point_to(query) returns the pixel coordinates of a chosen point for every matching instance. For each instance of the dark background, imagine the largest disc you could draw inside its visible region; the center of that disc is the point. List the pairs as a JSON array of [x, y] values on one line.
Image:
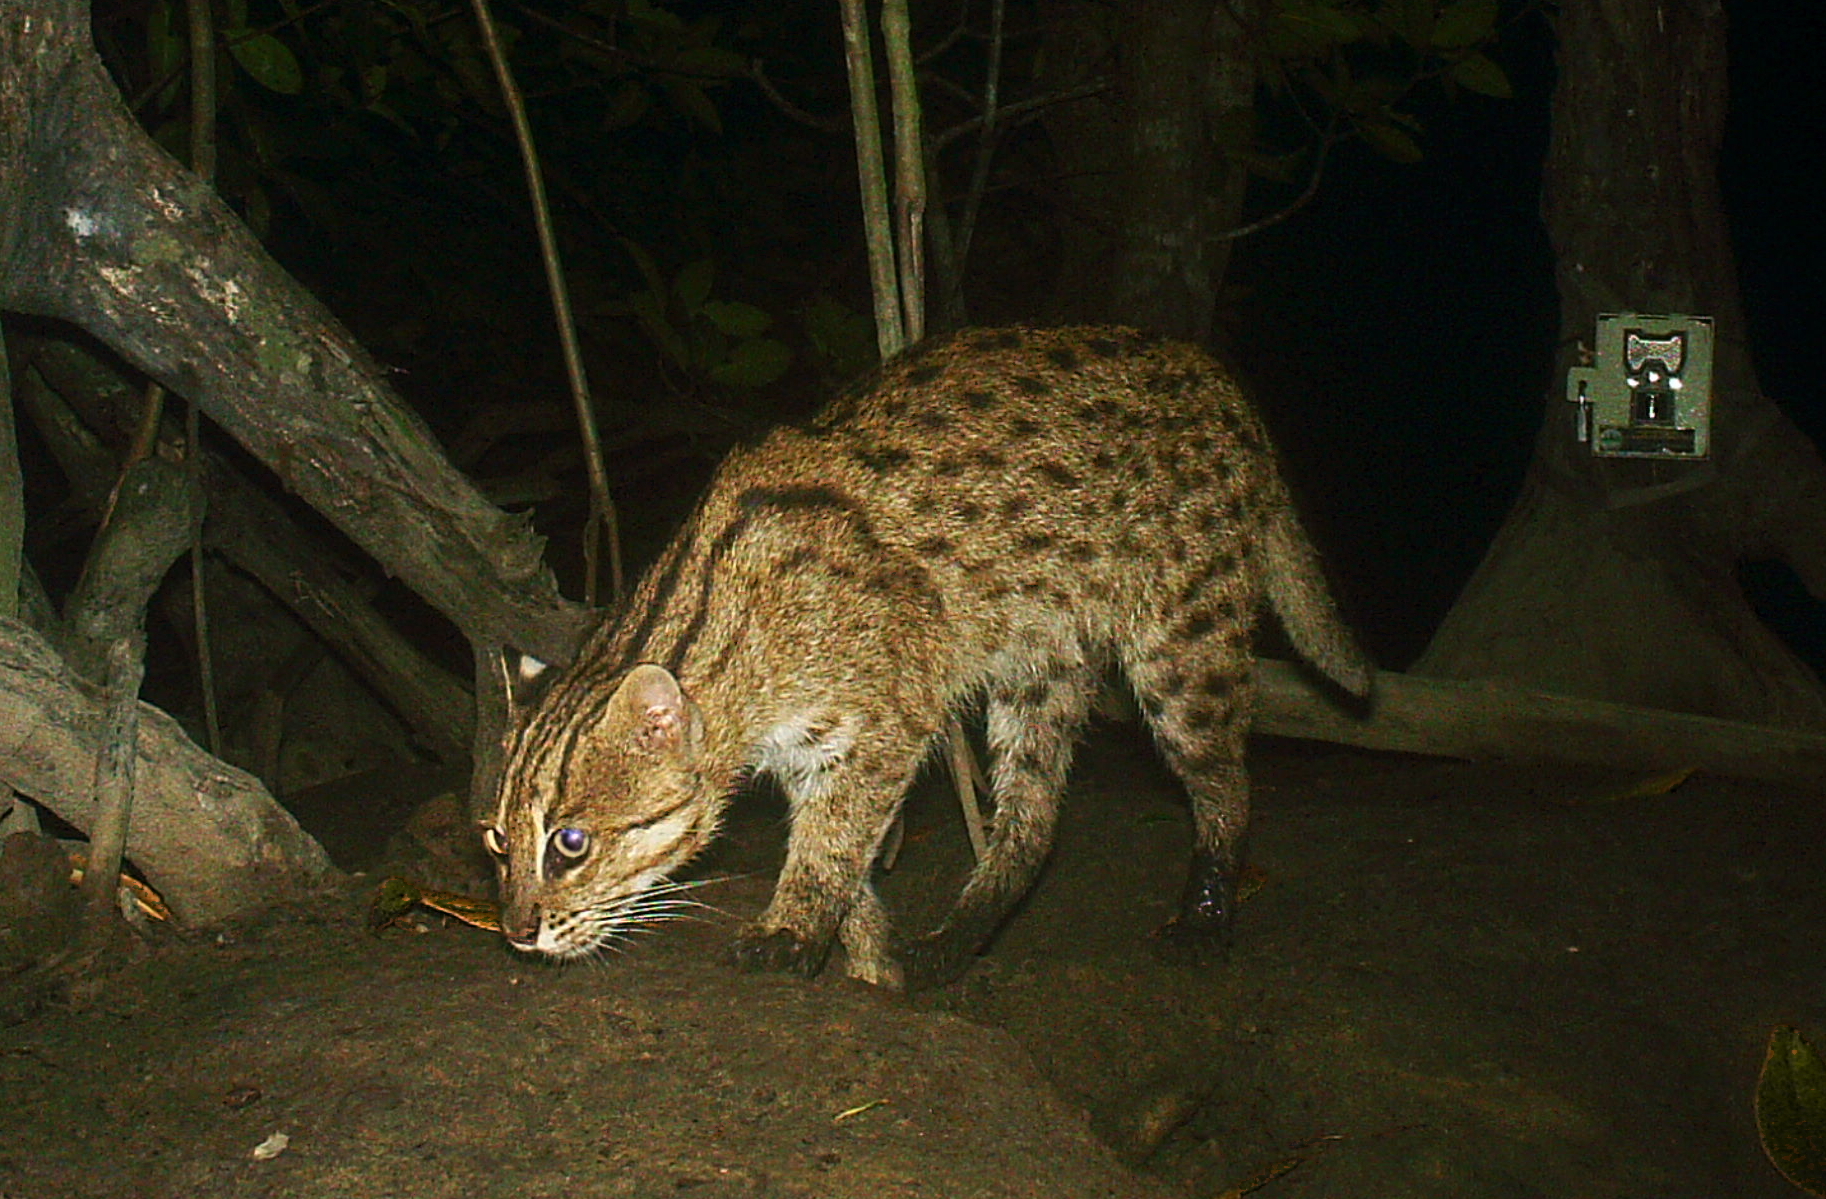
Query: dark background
[[1399, 329]]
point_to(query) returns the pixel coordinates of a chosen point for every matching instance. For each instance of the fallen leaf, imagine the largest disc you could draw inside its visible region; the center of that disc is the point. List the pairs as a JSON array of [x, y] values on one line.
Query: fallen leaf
[[478, 912], [271, 1147], [1648, 788], [1791, 1110], [397, 896], [144, 898]]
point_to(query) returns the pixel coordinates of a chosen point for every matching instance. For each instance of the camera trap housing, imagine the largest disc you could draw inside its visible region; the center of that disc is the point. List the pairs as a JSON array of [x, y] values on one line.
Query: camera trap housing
[[1648, 391]]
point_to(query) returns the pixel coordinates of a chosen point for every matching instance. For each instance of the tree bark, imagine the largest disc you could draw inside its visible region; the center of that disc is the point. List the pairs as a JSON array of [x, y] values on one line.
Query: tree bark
[[256, 535], [98, 226], [1488, 720], [12, 495], [1147, 189], [1614, 579], [158, 508], [205, 834]]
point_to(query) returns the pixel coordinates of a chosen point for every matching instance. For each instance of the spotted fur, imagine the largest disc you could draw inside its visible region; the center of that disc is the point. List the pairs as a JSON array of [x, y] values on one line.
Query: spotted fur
[[997, 516]]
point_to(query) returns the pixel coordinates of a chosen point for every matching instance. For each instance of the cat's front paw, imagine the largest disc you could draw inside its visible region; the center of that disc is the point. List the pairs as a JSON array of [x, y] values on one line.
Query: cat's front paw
[[779, 950]]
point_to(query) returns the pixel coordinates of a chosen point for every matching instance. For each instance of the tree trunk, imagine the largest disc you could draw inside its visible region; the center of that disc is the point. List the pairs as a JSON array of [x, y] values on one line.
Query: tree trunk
[[1485, 720], [1614, 579], [98, 226], [1148, 191]]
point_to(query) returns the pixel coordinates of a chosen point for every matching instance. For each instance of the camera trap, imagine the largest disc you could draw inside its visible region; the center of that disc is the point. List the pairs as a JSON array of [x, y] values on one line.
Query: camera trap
[[1648, 391]]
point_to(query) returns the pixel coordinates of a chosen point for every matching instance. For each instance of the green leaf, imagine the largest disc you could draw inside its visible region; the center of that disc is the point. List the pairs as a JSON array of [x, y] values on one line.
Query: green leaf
[[650, 312], [1477, 73], [1390, 141], [269, 60], [630, 102], [1411, 19], [1464, 23], [736, 318], [690, 100], [712, 61], [642, 12], [1791, 1110], [844, 338], [649, 270], [693, 283], [753, 363], [1301, 27], [374, 79]]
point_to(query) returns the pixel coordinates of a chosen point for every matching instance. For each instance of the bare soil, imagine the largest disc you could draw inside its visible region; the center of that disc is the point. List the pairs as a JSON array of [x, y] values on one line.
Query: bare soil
[[1455, 980]]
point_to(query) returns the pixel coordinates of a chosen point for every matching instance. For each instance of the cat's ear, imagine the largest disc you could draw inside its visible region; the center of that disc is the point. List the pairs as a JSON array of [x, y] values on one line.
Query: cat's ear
[[655, 714]]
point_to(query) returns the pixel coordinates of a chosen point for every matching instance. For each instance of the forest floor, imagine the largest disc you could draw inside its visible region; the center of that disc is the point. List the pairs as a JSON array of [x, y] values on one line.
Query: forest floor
[[1456, 980]]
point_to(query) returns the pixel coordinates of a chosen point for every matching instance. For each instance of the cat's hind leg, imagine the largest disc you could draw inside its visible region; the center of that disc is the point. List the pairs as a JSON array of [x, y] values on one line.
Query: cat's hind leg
[[1032, 720], [1196, 691]]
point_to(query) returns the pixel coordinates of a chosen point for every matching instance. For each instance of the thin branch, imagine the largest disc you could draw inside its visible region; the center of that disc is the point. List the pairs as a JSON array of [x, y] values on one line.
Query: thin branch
[[985, 146], [203, 162], [1022, 110], [890, 328], [603, 517], [1330, 138], [910, 169], [758, 75], [199, 592]]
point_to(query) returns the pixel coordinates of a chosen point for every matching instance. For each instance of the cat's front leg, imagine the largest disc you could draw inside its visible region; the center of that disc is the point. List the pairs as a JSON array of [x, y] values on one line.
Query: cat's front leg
[[838, 823], [775, 944], [795, 933]]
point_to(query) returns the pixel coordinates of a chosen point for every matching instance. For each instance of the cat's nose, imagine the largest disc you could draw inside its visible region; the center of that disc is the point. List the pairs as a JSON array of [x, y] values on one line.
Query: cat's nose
[[522, 929]]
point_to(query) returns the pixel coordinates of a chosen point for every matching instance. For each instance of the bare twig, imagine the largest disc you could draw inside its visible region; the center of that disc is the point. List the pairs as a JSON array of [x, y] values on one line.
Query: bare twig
[[202, 88], [985, 148], [758, 75], [899, 296], [1022, 111], [890, 327], [199, 591], [203, 162], [910, 168], [12, 503], [1326, 142], [603, 518]]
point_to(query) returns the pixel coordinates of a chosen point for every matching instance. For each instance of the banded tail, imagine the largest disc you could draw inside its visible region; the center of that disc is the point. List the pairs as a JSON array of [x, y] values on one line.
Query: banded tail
[[1301, 599]]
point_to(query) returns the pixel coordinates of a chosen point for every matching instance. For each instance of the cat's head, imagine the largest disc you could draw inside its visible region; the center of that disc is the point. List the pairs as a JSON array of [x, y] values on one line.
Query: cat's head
[[600, 800]]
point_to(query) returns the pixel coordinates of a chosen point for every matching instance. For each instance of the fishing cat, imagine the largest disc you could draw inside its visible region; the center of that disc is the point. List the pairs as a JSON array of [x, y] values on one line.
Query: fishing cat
[[999, 515]]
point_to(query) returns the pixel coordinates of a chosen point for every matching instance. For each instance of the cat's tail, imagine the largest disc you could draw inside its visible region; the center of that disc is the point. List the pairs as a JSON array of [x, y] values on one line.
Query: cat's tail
[[1298, 593]]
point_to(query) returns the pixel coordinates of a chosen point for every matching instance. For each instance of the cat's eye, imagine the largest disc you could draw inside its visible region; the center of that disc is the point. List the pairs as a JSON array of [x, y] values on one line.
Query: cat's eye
[[571, 842], [494, 842]]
